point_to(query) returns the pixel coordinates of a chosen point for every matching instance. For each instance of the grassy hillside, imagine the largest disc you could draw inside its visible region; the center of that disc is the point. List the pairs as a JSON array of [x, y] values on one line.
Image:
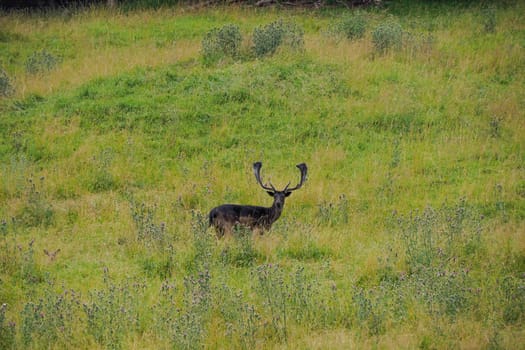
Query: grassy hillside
[[118, 133]]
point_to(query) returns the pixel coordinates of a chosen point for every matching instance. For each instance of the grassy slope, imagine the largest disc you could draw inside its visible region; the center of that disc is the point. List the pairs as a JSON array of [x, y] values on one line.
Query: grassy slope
[[132, 111]]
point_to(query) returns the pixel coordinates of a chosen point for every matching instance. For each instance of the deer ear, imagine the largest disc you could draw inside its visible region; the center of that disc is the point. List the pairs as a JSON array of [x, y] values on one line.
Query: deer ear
[[286, 194], [270, 193]]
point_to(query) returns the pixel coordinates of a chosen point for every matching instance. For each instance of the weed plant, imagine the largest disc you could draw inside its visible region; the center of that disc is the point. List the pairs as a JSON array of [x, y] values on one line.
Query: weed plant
[[6, 84], [351, 27], [190, 327], [185, 326], [41, 62], [243, 322], [9, 257], [369, 313], [50, 320], [7, 329], [148, 231], [101, 177], [387, 36], [273, 290], [334, 213], [268, 38], [222, 42], [37, 210], [513, 290], [241, 252], [489, 20], [112, 312]]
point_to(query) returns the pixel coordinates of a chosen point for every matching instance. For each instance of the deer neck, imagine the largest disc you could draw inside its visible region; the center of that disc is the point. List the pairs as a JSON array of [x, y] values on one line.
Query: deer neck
[[275, 211]]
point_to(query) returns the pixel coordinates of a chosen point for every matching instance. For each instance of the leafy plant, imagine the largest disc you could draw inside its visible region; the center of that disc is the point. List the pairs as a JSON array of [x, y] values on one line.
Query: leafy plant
[[190, 325], [335, 213], [514, 300], [147, 230], [271, 286], [186, 326], [489, 20], [41, 61], [6, 84], [37, 209], [202, 244], [222, 42], [351, 26], [387, 35], [50, 319], [242, 252], [268, 38], [113, 311], [101, 177], [243, 322], [7, 330], [368, 311], [433, 242]]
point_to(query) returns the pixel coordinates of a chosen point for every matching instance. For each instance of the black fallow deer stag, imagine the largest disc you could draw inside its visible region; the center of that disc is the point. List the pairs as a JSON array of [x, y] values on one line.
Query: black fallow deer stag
[[256, 218]]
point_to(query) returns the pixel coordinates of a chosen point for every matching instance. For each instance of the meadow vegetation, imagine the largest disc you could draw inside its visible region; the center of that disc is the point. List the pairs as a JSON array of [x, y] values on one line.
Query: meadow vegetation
[[120, 130]]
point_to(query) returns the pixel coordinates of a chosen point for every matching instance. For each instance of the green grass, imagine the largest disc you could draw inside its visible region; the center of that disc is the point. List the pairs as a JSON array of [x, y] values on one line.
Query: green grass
[[409, 232]]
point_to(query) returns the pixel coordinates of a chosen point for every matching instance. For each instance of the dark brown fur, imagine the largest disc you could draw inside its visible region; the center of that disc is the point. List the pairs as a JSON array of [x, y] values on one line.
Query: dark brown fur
[[224, 217]]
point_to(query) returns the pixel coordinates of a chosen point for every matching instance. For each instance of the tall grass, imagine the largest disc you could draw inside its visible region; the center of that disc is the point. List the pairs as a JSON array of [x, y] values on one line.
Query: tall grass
[[408, 233]]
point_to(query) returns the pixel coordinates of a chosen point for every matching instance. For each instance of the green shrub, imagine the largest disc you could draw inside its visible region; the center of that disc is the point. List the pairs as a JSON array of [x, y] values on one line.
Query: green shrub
[[513, 290], [50, 319], [435, 236], [243, 322], [185, 325], [37, 210], [241, 252], [113, 311], [352, 26], [440, 245], [273, 289], [387, 35], [369, 310], [334, 213], [266, 39], [222, 42], [148, 231], [7, 330], [41, 62], [6, 85], [101, 178], [489, 20]]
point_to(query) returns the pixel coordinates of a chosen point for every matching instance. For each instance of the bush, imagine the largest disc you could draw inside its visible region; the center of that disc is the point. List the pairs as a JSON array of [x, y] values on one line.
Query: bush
[[489, 20], [388, 35], [37, 210], [41, 62], [266, 39], [221, 42], [6, 86], [101, 179], [50, 319], [148, 231], [7, 330], [112, 312], [242, 252], [352, 27]]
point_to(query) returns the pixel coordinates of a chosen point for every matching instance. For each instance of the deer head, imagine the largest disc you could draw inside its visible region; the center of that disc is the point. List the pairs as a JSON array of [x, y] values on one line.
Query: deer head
[[279, 196]]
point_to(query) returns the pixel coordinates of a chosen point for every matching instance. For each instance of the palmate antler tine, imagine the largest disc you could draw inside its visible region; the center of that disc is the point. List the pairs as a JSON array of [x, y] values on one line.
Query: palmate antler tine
[[257, 171], [304, 170]]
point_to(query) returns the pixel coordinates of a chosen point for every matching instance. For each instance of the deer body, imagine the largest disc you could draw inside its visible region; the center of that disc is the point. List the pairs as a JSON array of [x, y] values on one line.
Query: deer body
[[226, 216]]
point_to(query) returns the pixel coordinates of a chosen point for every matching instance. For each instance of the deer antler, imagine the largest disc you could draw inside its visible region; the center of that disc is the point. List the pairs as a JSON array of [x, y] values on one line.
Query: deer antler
[[257, 171], [304, 171]]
